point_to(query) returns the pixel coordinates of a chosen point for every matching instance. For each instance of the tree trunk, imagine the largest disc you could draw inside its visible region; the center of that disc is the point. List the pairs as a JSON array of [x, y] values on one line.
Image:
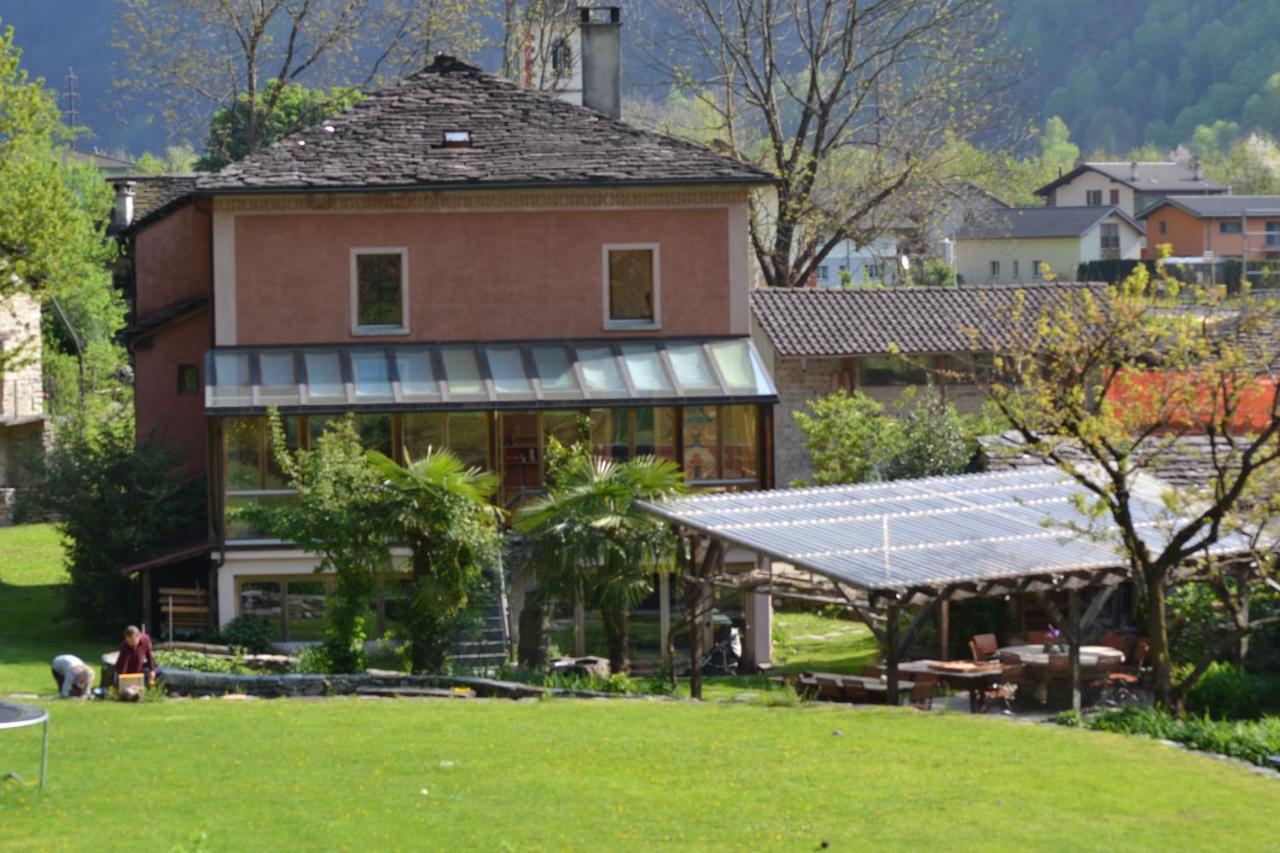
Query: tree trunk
[[532, 649], [617, 623], [1157, 622]]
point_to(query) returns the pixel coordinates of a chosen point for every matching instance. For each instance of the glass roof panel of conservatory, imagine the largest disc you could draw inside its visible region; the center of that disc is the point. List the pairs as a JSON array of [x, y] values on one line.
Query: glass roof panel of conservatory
[[529, 375]]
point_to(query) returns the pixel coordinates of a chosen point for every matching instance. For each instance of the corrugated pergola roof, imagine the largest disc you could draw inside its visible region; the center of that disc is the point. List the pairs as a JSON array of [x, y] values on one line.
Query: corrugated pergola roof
[[927, 534]]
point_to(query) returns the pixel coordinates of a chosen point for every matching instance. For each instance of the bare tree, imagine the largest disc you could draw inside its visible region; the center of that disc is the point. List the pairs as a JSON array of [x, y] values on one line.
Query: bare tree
[[537, 43], [206, 55], [851, 103]]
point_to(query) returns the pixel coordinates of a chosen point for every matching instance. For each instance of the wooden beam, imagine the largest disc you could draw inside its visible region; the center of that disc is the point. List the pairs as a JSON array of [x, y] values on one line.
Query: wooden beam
[[1073, 611], [1095, 607], [904, 644], [891, 662], [944, 629], [664, 618]]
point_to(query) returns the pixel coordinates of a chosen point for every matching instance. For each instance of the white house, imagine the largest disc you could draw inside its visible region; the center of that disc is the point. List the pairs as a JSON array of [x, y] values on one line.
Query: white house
[[1018, 244], [875, 263], [1131, 186]]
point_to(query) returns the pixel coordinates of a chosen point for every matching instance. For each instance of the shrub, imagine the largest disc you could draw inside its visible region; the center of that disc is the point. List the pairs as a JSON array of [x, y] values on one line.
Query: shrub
[[1254, 742], [312, 660], [1225, 692], [251, 633], [199, 662]]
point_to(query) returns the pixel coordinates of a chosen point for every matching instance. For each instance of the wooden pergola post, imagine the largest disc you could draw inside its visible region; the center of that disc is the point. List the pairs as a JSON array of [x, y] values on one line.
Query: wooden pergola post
[[944, 629], [664, 617], [1073, 638], [891, 657]]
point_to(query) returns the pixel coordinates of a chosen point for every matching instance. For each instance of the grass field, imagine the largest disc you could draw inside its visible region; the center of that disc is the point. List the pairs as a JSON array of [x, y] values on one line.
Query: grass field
[[403, 774]]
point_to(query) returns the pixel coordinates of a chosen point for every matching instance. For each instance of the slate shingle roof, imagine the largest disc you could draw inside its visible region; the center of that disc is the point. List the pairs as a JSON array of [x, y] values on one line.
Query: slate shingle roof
[[393, 140], [1021, 223], [1209, 207], [1151, 177], [916, 320], [155, 195]]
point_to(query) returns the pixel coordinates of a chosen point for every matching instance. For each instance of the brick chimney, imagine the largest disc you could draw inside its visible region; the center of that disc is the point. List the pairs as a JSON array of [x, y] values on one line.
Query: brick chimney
[[601, 29]]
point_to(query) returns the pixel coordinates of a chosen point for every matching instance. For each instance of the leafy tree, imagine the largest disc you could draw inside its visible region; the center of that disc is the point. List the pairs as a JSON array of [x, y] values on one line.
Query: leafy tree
[[177, 160], [204, 57], [441, 509], [587, 535], [851, 108], [1105, 388], [850, 436], [931, 438], [343, 514], [51, 218], [118, 501], [295, 108]]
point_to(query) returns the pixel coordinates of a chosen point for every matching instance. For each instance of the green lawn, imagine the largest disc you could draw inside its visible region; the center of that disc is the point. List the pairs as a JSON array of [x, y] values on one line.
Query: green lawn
[[33, 628], [371, 774]]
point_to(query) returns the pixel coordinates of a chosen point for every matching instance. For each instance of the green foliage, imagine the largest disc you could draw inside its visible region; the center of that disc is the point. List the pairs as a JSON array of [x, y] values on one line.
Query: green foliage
[[296, 108], [176, 160], [251, 633], [440, 508], [312, 660], [936, 273], [1225, 692], [199, 662], [587, 537], [1249, 741], [854, 439], [118, 501], [342, 515], [1193, 622]]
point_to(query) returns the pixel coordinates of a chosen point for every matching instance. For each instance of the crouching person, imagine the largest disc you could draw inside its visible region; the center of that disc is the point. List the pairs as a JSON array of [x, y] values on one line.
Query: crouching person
[[74, 677]]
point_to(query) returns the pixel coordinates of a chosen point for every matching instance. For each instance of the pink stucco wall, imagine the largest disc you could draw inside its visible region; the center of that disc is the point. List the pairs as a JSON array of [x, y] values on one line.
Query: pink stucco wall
[[476, 275], [172, 259], [178, 419]]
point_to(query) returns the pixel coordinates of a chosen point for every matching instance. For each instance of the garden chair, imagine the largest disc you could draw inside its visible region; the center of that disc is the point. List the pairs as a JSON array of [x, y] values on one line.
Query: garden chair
[[855, 692], [1116, 640], [1101, 684], [1004, 691], [1058, 678], [983, 646], [1132, 675], [872, 671], [1010, 659], [922, 690], [1037, 638]]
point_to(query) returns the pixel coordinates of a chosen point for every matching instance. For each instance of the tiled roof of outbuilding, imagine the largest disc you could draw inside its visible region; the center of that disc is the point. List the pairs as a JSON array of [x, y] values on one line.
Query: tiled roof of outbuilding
[[393, 139], [914, 320]]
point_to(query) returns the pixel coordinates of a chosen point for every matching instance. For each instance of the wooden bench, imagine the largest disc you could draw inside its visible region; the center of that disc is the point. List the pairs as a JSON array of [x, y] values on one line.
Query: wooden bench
[[184, 607]]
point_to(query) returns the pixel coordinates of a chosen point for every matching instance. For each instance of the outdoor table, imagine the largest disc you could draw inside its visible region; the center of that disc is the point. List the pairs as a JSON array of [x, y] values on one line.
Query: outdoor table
[[17, 716], [1037, 656], [976, 682], [878, 686]]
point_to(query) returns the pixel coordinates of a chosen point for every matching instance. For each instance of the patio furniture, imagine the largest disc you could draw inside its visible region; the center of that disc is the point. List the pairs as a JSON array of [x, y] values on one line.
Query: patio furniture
[[872, 671], [983, 646], [922, 689], [1130, 678], [1005, 690], [1116, 640], [1038, 638], [1036, 656], [16, 716], [961, 675], [1009, 659]]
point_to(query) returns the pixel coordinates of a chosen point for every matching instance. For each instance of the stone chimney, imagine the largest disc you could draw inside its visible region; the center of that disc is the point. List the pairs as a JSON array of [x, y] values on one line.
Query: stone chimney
[[124, 204], [1133, 170], [601, 28]]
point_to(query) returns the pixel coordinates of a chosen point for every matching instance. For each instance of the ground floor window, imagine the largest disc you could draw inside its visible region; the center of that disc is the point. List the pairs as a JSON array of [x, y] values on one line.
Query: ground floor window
[[295, 605], [718, 446]]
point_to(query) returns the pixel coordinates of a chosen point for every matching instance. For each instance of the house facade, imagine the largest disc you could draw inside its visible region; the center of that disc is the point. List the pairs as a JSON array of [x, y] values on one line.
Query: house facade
[[459, 263], [882, 342], [1229, 227], [22, 418], [1024, 244], [1132, 186]]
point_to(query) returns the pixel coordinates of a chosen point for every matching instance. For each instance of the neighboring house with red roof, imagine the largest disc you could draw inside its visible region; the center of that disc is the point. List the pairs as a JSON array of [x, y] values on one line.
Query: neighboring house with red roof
[[460, 263]]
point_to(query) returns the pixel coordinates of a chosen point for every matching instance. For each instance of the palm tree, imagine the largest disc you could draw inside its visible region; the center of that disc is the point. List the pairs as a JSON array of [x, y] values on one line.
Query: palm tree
[[441, 510], [589, 537]]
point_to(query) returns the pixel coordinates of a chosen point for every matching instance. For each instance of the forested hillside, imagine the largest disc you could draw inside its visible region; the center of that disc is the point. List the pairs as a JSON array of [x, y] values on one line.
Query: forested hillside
[[1121, 73], [1126, 73]]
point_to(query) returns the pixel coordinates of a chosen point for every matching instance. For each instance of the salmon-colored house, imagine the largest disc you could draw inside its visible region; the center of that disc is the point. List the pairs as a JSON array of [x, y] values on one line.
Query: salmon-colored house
[[461, 263], [1239, 227]]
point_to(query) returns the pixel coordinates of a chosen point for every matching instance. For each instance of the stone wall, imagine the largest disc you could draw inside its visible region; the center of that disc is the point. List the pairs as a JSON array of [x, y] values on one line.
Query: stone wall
[[21, 385]]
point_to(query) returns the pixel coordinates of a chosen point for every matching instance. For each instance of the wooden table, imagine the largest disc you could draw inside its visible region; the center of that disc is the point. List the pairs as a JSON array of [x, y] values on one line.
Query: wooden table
[[1037, 656], [976, 681]]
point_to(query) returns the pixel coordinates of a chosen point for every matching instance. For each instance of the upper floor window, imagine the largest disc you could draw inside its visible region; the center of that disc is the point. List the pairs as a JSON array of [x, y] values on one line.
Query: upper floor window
[[379, 291], [1036, 270], [1015, 271], [1229, 227], [1164, 226], [1115, 197], [1093, 197], [631, 287]]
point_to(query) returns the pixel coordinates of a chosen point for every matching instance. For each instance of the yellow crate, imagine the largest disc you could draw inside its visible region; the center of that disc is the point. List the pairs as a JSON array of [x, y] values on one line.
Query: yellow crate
[[132, 679]]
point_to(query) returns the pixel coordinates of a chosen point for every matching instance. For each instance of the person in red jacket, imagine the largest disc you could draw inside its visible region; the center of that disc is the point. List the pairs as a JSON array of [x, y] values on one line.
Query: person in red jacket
[[135, 655]]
